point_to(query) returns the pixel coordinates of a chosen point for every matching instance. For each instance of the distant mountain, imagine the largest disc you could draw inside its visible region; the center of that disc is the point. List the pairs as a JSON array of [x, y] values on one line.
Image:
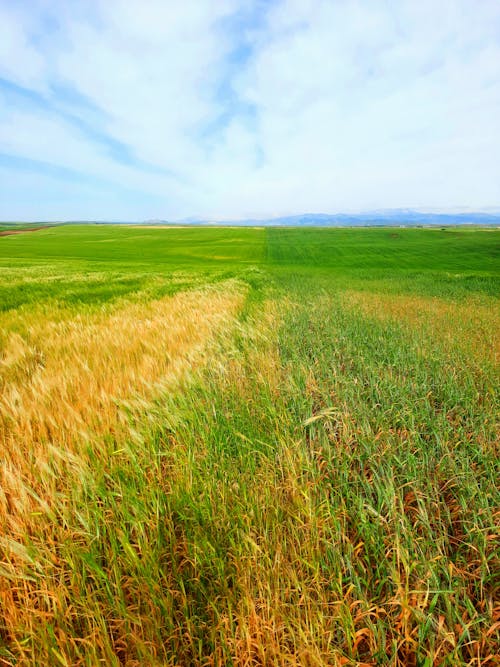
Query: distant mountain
[[380, 218], [389, 217]]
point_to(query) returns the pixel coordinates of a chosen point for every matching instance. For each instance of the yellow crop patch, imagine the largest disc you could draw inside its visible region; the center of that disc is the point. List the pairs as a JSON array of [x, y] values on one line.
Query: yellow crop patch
[[470, 326], [62, 382]]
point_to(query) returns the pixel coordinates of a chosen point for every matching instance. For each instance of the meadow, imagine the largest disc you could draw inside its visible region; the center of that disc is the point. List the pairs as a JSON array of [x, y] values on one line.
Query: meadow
[[230, 446]]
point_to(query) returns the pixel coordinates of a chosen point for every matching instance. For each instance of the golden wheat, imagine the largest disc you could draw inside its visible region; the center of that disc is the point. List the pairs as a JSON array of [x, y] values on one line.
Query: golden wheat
[[64, 382]]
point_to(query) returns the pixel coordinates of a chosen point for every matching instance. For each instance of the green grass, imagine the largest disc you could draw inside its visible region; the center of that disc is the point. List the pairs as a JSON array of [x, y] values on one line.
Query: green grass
[[150, 247], [321, 490]]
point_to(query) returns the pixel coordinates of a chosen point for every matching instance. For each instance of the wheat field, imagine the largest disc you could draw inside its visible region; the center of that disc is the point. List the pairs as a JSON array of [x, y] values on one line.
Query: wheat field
[[249, 447]]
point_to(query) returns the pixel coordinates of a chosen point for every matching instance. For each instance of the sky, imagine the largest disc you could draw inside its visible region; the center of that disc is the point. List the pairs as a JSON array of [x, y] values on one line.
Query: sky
[[221, 109]]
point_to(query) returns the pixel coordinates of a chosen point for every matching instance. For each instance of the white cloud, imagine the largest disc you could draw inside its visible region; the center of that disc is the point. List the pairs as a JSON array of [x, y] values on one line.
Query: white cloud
[[19, 60], [336, 105]]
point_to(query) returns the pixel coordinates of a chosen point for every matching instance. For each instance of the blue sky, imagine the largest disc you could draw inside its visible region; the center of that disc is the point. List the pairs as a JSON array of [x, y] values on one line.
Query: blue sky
[[128, 110]]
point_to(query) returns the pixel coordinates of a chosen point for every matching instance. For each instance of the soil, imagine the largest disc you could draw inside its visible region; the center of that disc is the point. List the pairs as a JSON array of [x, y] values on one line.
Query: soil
[[8, 232]]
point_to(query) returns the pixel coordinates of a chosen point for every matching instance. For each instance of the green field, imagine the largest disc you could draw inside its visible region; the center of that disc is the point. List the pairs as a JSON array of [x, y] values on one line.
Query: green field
[[230, 446]]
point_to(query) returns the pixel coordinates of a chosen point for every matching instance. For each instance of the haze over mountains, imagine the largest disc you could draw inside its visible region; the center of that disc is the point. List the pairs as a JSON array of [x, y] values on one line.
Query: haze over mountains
[[386, 217], [379, 218]]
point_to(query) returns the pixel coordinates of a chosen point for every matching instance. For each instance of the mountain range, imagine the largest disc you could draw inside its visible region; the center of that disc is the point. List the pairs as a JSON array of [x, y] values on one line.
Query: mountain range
[[389, 217]]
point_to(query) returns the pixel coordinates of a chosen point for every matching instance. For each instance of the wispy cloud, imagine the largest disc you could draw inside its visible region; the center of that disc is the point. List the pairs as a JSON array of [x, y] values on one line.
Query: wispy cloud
[[120, 109]]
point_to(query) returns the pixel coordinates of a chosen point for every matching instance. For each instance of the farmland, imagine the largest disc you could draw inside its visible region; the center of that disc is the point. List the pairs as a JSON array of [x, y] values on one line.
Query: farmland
[[233, 446]]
